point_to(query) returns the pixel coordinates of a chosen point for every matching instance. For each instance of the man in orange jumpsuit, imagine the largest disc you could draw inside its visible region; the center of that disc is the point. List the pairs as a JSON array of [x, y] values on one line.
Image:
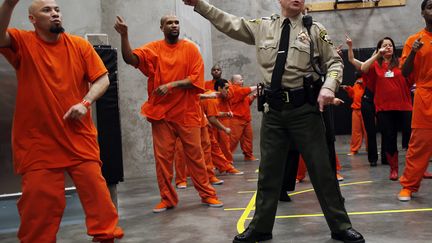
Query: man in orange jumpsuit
[[416, 65], [216, 72], [180, 164], [211, 111], [175, 72], [53, 132], [228, 95], [241, 122], [358, 131]]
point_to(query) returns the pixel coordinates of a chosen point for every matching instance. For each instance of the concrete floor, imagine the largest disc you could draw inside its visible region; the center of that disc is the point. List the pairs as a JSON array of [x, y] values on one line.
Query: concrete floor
[[370, 199]]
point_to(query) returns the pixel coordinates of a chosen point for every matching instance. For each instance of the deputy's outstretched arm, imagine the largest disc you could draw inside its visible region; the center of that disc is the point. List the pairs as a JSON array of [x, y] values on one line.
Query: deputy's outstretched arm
[[6, 10], [235, 27]]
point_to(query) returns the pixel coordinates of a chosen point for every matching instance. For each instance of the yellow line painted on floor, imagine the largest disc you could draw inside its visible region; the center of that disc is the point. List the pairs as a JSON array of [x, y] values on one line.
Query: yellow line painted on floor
[[245, 214], [244, 192], [251, 207], [234, 209], [357, 213]]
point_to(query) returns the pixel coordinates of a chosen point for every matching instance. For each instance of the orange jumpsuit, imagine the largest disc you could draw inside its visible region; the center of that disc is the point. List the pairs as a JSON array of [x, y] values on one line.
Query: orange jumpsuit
[[241, 123], [221, 137], [209, 84], [175, 114], [52, 77], [210, 109], [420, 145], [180, 164], [358, 131]]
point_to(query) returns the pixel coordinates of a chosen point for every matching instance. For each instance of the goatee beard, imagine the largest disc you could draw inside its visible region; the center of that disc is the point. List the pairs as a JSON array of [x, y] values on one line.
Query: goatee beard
[[57, 29]]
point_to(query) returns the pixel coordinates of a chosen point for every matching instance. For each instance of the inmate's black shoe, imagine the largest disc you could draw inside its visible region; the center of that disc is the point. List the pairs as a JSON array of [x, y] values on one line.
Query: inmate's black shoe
[[284, 197], [251, 236], [348, 236]]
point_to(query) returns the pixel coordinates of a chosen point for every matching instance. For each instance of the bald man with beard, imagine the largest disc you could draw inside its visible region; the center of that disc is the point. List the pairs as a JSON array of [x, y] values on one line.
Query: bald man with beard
[[59, 77], [175, 72]]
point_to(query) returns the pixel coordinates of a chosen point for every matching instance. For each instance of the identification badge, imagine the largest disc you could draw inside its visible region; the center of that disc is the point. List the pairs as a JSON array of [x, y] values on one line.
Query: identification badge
[[389, 74]]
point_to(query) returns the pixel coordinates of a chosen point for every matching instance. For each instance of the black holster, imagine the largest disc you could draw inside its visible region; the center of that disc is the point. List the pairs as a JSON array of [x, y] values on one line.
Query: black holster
[[261, 99], [312, 88]]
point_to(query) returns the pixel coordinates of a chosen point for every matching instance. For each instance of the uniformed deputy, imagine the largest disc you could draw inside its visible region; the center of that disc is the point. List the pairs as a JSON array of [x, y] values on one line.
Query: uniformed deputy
[[295, 123]]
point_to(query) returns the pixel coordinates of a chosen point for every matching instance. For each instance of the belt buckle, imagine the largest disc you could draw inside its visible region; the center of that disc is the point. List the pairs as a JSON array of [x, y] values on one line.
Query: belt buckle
[[286, 96]]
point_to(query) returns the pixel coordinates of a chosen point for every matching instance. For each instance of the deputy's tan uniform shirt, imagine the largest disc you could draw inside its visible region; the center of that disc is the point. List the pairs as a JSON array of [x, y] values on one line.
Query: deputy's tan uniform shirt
[[265, 33]]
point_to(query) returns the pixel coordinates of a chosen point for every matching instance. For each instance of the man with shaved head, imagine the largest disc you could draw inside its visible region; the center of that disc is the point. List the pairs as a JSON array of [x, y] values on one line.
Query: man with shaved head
[[59, 77], [175, 72], [241, 122], [216, 73]]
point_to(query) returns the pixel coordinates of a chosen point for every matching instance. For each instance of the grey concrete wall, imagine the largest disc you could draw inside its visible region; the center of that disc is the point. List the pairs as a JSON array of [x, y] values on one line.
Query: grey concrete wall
[[365, 27]]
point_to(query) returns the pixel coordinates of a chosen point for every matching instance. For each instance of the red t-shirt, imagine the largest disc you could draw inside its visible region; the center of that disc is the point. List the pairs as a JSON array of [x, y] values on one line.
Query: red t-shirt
[[52, 77], [390, 88]]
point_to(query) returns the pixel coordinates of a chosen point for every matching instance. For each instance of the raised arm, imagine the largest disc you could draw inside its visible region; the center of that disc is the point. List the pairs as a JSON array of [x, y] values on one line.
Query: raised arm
[[356, 63], [97, 89], [408, 65], [368, 63], [127, 54], [6, 10]]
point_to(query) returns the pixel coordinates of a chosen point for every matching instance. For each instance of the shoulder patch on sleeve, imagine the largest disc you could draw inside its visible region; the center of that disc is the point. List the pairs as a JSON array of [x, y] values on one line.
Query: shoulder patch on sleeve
[[324, 36]]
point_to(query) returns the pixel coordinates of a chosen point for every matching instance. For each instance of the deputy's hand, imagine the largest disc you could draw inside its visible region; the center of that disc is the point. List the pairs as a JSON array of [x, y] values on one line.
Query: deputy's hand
[[417, 45], [75, 112], [337, 101], [120, 26], [325, 97], [11, 3], [190, 2]]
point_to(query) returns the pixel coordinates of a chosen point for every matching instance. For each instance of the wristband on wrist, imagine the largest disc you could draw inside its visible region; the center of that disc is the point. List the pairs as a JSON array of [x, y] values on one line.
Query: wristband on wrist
[[86, 103]]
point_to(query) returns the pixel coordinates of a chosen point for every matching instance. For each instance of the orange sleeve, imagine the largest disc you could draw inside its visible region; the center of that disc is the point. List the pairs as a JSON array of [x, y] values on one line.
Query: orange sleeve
[[212, 108], [239, 93], [147, 58], [196, 72], [12, 53], [406, 50], [350, 91], [93, 65]]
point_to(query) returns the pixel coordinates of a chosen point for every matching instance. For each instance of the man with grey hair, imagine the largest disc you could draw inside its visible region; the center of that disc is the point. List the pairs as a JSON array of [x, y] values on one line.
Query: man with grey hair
[[291, 116]]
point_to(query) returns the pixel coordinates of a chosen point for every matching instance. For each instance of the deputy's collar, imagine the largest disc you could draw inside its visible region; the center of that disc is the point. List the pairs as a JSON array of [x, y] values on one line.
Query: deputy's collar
[[294, 20]]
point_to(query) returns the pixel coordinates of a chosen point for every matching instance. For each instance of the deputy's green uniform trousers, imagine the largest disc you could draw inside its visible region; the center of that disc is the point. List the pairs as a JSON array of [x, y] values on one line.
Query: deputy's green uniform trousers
[[303, 129]]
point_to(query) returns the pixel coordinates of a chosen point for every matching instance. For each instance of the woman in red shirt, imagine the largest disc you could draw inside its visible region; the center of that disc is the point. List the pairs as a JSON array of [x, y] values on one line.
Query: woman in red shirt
[[392, 98]]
